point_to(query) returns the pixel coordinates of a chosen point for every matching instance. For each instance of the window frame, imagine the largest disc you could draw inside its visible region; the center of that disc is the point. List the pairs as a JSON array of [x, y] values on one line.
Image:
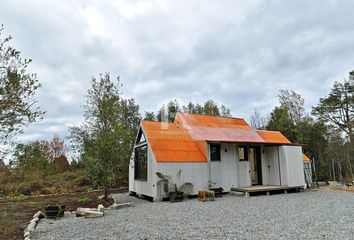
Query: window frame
[[245, 153], [137, 164], [140, 135], [218, 152]]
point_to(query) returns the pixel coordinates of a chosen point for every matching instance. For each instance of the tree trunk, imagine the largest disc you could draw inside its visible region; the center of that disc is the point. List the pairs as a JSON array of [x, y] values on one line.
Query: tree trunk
[[350, 169], [333, 170], [350, 132], [340, 171]]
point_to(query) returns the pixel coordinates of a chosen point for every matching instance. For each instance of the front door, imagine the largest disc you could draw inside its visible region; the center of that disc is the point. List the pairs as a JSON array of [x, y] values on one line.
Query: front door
[[254, 158]]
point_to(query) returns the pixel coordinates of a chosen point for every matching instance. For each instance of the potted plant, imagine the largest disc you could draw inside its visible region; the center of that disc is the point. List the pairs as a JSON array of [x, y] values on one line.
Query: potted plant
[[217, 190], [175, 193]]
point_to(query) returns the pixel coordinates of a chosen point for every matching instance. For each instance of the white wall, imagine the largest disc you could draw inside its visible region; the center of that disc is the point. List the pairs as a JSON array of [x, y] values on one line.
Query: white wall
[[228, 173], [196, 173], [223, 172], [216, 173], [192, 172], [271, 166], [291, 166], [243, 171], [148, 187], [228, 166], [294, 170]]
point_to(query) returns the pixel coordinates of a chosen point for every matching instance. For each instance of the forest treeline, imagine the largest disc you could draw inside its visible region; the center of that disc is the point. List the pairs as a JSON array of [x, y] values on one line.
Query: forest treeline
[[326, 132], [102, 144]]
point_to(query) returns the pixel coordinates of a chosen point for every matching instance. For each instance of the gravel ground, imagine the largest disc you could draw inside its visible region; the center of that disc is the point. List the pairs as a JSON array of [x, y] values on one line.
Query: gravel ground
[[323, 214]]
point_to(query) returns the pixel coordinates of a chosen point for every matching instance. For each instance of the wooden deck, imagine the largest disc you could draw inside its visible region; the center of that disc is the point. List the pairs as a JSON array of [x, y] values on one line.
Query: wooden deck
[[265, 189]]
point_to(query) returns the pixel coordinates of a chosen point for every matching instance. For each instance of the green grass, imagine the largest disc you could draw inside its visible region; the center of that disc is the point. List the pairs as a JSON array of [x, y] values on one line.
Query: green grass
[[7, 225], [7, 222], [84, 200], [19, 197], [32, 203]]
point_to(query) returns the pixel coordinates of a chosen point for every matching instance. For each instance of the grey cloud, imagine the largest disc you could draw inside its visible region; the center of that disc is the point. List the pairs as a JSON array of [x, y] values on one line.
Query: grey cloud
[[238, 53]]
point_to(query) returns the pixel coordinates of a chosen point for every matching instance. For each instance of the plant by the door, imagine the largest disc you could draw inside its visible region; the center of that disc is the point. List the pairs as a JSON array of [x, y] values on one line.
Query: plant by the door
[[214, 187], [176, 193]]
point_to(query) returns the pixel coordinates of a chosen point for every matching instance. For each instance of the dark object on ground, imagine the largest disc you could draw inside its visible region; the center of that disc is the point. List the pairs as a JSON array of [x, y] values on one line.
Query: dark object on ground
[[346, 184], [217, 191], [176, 196], [54, 212]]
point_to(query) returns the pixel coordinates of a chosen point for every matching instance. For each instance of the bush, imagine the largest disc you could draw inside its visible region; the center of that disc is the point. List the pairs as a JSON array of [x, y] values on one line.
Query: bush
[[48, 190], [8, 189], [82, 181], [20, 181], [28, 187], [69, 176]]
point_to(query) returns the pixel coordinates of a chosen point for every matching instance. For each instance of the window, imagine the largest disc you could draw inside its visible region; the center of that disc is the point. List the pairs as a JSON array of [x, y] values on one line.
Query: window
[[215, 152], [140, 163], [242, 153], [141, 137]]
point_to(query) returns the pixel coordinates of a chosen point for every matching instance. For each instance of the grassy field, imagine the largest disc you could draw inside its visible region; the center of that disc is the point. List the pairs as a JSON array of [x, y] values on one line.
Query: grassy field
[[16, 212]]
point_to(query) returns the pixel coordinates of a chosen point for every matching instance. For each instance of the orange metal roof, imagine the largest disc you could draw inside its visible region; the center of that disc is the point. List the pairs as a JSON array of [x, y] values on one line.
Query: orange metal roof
[[173, 144], [185, 140], [273, 137], [213, 128], [305, 158], [212, 121]]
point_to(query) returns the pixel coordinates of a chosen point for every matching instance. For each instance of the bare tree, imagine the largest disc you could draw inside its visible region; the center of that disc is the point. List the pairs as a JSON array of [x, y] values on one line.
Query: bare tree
[[258, 121]]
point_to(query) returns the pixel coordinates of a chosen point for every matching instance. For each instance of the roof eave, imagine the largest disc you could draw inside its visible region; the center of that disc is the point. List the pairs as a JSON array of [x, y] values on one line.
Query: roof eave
[[256, 142]]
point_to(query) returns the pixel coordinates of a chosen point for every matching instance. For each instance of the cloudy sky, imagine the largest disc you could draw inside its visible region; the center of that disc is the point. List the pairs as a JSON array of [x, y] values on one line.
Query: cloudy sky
[[239, 53]]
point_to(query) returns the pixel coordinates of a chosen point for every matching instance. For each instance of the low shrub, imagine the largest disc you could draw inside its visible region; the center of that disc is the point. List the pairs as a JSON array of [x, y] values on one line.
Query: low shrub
[[7, 223], [19, 197], [84, 200], [28, 187], [8, 189], [69, 176], [47, 190], [82, 181]]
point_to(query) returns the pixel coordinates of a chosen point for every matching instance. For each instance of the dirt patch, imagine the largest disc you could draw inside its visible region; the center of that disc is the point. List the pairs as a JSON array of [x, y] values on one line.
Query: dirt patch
[[343, 188], [15, 214]]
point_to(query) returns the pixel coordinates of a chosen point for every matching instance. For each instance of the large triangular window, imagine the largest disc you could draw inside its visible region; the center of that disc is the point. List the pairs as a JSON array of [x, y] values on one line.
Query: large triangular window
[[141, 138]]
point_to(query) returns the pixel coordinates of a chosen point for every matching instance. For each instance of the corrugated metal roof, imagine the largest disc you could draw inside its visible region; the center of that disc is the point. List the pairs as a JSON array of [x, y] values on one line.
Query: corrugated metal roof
[[273, 137], [173, 144], [185, 140], [213, 128]]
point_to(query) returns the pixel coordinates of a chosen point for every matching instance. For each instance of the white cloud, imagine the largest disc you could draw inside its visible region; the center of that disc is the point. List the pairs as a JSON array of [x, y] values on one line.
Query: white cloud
[[239, 53]]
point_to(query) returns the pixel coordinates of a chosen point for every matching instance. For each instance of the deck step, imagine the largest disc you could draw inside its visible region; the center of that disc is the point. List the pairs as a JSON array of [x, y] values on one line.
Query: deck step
[[264, 189]]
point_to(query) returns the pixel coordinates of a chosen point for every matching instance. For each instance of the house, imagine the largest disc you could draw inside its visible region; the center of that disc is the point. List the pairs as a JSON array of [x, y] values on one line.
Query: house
[[210, 149]]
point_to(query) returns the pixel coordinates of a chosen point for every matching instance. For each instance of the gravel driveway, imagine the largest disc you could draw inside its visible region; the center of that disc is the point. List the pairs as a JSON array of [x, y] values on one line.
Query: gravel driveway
[[323, 214]]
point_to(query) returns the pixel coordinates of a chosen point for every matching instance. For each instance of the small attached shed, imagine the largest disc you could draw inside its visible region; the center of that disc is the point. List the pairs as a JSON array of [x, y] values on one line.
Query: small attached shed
[[224, 152], [307, 171]]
